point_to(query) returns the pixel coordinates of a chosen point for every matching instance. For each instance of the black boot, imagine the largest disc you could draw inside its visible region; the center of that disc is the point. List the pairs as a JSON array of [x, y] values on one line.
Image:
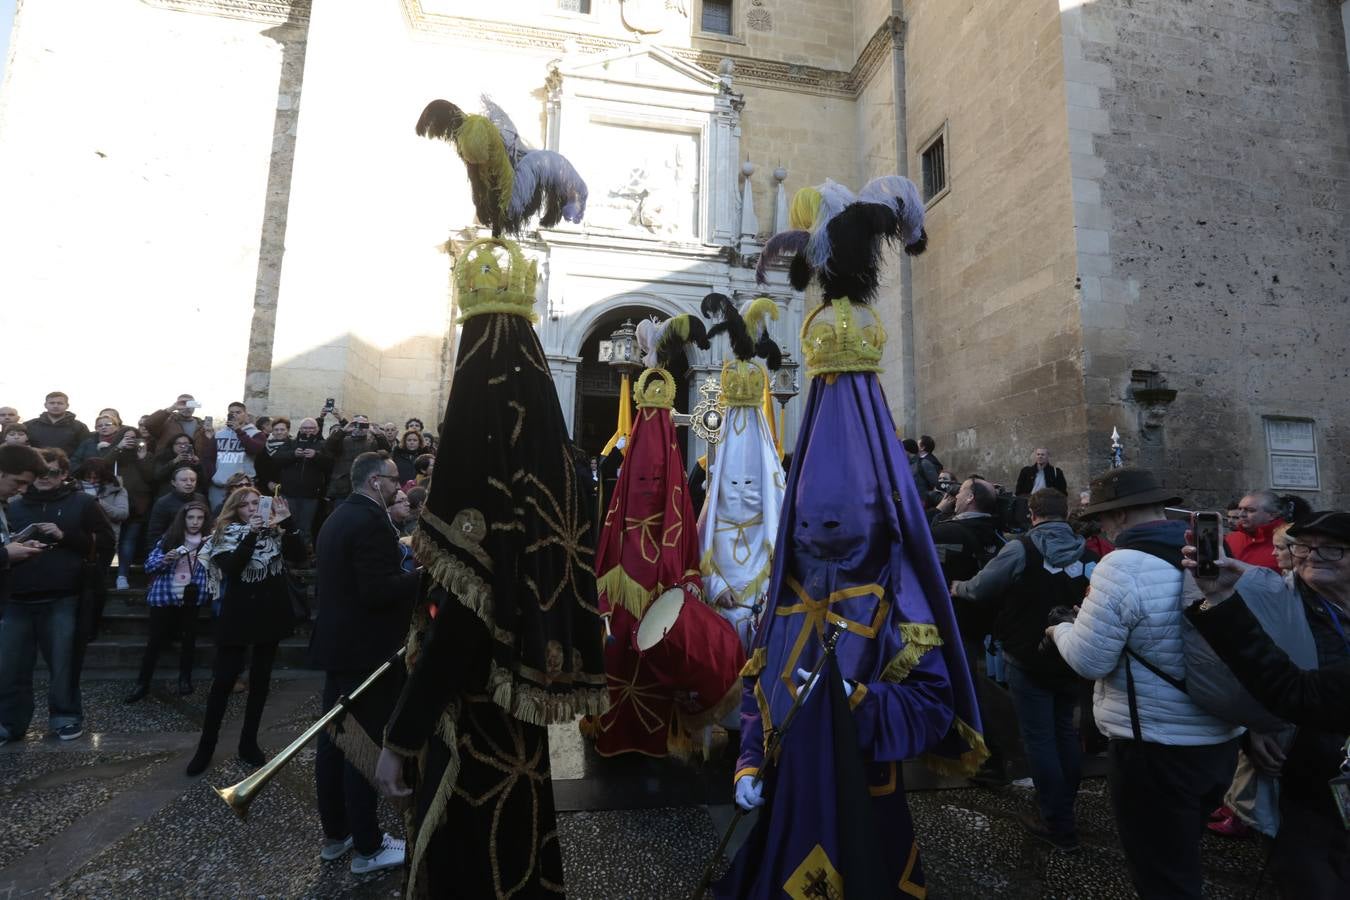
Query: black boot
[[249, 751], [215, 712], [202, 758], [138, 693]]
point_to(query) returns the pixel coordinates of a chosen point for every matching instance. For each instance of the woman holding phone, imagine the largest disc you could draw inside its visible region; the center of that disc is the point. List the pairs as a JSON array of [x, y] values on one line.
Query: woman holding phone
[[179, 587], [246, 574]]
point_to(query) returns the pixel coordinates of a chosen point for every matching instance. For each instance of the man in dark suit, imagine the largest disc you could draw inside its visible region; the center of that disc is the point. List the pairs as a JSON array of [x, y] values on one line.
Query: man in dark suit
[[365, 605], [1040, 475]]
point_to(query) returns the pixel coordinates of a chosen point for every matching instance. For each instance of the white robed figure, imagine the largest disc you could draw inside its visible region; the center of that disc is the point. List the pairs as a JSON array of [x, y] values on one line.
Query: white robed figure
[[739, 521]]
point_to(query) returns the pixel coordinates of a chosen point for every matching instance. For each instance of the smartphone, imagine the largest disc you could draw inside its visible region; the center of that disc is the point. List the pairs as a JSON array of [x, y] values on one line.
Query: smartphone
[[1177, 514], [1208, 530], [265, 509], [29, 533], [329, 405], [192, 404]]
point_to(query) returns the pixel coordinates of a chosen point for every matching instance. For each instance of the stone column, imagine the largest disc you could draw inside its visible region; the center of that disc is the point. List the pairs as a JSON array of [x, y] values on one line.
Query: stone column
[[724, 150], [564, 370]]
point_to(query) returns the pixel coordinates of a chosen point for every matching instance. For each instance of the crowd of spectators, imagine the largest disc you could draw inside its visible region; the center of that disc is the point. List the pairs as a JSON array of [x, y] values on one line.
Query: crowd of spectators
[[216, 512]]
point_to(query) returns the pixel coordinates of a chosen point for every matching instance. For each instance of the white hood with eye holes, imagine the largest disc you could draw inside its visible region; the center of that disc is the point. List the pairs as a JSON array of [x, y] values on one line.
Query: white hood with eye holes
[[739, 521]]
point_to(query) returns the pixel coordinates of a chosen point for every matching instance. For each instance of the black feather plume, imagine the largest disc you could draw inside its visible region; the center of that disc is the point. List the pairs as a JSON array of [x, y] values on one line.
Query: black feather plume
[[857, 237], [440, 120], [679, 331], [917, 248], [800, 272], [720, 306], [768, 350], [781, 244]]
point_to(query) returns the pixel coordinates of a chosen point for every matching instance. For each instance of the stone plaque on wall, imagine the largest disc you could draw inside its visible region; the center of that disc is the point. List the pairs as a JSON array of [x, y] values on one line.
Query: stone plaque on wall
[[1292, 446], [643, 181]]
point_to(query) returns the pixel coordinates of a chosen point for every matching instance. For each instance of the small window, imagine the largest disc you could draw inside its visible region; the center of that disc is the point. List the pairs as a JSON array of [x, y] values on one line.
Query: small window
[[1292, 447], [717, 16], [576, 6], [935, 167]]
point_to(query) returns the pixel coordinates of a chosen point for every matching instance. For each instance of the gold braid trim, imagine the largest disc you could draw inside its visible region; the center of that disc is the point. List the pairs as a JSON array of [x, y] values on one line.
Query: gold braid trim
[[919, 639], [621, 590], [967, 763], [439, 809], [356, 744], [755, 664], [522, 701]]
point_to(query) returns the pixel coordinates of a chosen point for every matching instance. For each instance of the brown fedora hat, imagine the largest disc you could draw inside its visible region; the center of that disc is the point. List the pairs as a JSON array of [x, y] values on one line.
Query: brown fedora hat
[[1122, 488]]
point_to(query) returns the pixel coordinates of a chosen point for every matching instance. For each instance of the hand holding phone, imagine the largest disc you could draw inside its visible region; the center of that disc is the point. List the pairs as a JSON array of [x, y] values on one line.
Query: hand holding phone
[[29, 533], [265, 510], [1207, 528]]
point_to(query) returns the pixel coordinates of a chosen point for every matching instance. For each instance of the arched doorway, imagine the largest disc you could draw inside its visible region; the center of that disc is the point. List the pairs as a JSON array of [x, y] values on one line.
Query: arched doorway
[[597, 393]]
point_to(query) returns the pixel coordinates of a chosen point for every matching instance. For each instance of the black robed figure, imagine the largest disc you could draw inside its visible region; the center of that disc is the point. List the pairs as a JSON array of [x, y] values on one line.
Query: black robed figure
[[509, 640]]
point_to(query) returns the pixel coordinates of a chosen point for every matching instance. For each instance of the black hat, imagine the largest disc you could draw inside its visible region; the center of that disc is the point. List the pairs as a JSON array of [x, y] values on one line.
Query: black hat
[[1330, 522], [1123, 488]]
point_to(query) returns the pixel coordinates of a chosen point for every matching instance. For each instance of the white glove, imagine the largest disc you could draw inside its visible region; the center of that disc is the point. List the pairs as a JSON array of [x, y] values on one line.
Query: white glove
[[808, 684], [621, 442], [749, 792]]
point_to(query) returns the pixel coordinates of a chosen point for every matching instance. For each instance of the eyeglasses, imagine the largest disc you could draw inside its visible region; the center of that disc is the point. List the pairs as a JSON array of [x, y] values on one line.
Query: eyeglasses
[[1325, 552]]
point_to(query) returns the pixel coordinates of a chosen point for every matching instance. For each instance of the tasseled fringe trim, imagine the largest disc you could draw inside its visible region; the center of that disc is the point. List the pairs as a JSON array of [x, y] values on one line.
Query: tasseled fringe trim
[[357, 746], [420, 838], [967, 763], [524, 702], [692, 722], [536, 706], [755, 664], [589, 727], [919, 639], [620, 589], [747, 594]]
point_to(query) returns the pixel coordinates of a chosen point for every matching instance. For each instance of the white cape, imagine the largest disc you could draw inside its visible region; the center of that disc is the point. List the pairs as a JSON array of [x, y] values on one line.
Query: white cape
[[739, 521]]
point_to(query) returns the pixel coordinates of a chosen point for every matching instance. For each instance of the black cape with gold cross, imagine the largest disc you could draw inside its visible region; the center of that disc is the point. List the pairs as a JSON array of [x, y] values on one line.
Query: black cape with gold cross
[[514, 641]]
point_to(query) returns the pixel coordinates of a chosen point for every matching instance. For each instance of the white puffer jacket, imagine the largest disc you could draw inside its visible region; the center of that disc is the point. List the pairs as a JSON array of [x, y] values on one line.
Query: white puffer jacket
[[1137, 597]]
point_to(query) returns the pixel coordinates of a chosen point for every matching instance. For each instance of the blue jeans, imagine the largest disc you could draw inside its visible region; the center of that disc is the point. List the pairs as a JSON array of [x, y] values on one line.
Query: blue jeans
[[1045, 719], [49, 626], [127, 543]]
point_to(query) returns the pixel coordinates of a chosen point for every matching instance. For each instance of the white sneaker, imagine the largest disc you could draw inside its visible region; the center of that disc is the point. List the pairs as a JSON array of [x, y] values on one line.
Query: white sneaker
[[122, 583], [332, 850], [1025, 784], [391, 854]]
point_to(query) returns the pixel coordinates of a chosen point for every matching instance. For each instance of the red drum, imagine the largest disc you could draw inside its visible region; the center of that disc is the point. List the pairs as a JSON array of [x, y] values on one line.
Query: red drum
[[691, 649]]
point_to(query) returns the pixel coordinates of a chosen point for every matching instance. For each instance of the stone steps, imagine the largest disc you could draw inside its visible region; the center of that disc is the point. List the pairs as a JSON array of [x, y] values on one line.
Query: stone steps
[[125, 628]]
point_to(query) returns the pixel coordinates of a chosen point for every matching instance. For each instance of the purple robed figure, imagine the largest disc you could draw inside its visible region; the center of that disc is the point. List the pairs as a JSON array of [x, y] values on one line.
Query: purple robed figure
[[855, 553]]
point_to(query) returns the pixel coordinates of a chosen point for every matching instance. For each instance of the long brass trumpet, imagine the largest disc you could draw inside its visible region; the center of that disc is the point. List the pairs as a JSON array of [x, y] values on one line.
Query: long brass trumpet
[[239, 796]]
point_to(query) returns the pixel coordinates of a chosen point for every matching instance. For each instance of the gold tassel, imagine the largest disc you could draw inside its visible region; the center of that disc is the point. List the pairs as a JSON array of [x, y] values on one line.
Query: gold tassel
[[622, 590], [439, 808], [919, 639]]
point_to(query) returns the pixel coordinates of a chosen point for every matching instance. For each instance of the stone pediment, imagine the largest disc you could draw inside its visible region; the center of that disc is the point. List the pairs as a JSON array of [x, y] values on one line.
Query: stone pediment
[[642, 66]]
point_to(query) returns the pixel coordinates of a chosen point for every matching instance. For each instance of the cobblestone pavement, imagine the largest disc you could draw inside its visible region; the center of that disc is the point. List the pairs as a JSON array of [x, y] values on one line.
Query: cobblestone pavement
[[113, 815]]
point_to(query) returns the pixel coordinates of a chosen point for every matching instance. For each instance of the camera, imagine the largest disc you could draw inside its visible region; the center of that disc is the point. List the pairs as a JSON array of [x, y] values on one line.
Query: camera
[[1057, 616]]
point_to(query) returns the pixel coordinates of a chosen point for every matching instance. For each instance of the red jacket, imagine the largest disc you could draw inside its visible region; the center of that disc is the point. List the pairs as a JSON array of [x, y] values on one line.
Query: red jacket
[[1255, 549]]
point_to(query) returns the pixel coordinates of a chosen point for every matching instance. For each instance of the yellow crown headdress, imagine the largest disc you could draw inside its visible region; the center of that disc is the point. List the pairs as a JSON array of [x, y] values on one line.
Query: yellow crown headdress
[[655, 390], [842, 336], [743, 383], [493, 276]]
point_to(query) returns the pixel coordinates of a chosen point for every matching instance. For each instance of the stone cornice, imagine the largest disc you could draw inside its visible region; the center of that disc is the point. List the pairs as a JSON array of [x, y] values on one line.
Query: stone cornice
[[271, 12], [764, 73]]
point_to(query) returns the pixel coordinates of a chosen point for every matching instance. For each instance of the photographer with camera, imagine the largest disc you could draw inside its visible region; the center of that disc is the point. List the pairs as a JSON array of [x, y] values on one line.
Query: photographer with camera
[[166, 424], [237, 443], [44, 601], [1048, 567], [344, 446], [304, 464]]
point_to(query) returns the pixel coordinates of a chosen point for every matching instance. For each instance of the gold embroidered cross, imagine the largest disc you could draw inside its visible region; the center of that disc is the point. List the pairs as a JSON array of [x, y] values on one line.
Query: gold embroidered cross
[[648, 537], [741, 538], [818, 612]]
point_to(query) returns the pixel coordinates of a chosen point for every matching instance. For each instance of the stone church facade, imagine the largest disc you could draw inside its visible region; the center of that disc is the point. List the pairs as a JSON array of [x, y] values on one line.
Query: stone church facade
[[1138, 209]]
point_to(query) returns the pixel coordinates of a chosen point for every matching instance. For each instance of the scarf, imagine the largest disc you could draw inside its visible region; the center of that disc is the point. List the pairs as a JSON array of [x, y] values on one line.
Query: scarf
[[508, 536], [650, 538], [265, 562], [739, 521]]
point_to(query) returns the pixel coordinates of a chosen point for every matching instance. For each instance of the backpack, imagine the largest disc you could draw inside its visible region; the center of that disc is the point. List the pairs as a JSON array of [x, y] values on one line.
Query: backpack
[[1209, 683]]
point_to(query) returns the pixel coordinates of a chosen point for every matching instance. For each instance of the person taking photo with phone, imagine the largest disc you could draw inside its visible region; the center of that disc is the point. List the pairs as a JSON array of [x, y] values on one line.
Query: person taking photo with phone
[[246, 577], [1311, 853], [178, 587], [19, 467], [43, 606], [303, 466]]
